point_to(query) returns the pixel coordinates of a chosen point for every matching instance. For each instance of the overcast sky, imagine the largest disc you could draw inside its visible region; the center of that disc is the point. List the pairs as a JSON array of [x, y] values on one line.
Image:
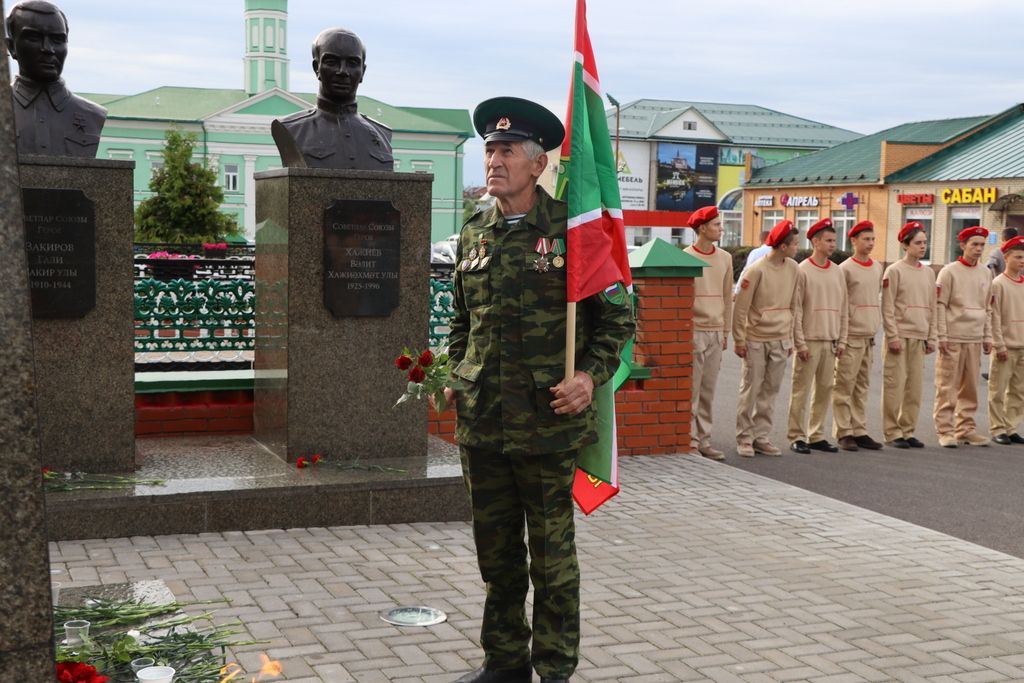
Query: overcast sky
[[863, 65]]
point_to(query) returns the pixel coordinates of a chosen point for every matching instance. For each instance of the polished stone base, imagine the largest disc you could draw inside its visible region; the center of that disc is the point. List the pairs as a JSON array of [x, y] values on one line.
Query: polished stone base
[[232, 483]]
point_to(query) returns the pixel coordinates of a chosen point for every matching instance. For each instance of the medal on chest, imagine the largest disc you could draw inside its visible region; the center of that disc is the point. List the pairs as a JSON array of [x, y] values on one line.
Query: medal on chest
[[541, 265], [558, 249]]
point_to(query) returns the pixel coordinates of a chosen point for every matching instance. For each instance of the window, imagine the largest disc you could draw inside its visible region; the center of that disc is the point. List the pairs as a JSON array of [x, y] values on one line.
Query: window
[[154, 167], [960, 218], [732, 228], [231, 177], [768, 221], [269, 34], [398, 164], [639, 236], [842, 221], [683, 236], [689, 125], [121, 154], [280, 38], [254, 34], [422, 166], [804, 220], [924, 216]]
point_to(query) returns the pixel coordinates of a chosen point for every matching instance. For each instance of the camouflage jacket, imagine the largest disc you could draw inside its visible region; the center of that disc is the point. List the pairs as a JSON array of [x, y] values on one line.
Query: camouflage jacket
[[507, 341]]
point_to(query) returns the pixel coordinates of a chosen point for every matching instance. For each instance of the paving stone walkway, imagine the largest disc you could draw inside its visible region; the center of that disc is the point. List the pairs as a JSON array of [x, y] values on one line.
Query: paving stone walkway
[[697, 572]]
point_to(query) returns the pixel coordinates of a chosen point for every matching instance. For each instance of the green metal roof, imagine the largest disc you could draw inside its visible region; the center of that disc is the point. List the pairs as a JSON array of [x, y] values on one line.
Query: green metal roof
[[171, 103], [859, 161], [742, 124], [995, 152], [658, 258]]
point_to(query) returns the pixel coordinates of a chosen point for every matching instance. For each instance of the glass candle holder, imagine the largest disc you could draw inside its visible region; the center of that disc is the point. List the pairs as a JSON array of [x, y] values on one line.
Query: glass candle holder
[[76, 632], [142, 663], [156, 674]]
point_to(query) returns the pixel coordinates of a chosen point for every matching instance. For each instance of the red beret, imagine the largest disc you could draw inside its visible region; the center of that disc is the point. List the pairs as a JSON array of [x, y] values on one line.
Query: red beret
[[780, 232], [906, 230], [818, 227], [702, 216], [1011, 243], [968, 233], [859, 228]]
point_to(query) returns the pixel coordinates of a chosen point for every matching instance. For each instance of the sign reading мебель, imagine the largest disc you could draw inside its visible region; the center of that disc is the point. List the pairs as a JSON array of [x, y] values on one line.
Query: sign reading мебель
[[60, 238], [634, 173], [362, 251]]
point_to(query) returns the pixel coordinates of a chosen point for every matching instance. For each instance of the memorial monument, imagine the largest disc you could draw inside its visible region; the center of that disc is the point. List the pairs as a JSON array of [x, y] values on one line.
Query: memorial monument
[[26, 635], [335, 134], [78, 229], [342, 277]]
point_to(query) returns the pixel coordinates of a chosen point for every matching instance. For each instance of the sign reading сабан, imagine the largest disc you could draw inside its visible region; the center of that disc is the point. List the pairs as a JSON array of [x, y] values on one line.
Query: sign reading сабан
[[969, 195]]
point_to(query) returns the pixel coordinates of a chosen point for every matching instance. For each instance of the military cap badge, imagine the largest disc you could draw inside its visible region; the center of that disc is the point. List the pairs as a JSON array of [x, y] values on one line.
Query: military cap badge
[[503, 123]]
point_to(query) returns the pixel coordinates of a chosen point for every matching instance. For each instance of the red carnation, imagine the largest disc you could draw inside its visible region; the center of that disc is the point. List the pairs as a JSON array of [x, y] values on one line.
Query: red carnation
[[79, 672], [417, 375], [316, 458], [302, 462], [426, 358], [403, 362], [46, 470]]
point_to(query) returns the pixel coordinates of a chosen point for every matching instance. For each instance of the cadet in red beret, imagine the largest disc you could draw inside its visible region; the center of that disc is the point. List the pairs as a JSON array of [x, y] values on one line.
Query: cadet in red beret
[[712, 314], [908, 321], [819, 331], [964, 293], [762, 331], [1006, 374], [863, 278]]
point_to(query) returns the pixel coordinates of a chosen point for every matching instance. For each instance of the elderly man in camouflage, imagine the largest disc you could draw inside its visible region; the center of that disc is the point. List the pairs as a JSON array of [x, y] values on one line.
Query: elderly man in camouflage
[[520, 424]]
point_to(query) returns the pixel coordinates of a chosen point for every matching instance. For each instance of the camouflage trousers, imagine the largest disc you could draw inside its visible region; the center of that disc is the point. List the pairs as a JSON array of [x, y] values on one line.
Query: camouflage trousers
[[510, 494]]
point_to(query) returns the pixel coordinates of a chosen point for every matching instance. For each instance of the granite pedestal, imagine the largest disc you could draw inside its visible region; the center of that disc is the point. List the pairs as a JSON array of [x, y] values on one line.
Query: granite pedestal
[[342, 285], [83, 333], [26, 632]]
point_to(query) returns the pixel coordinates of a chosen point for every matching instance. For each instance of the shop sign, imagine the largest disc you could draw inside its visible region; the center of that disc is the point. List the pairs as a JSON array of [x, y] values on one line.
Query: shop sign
[[969, 195], [765, 200], [915, 198], [787, 200]]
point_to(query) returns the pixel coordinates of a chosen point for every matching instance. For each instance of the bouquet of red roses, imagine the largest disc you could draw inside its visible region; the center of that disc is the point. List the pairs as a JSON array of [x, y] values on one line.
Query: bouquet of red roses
[[427, 374], [78, 672]]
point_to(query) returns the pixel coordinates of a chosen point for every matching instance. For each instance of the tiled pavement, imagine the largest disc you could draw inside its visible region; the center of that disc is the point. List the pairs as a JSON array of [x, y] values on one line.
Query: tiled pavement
[[696, 572]]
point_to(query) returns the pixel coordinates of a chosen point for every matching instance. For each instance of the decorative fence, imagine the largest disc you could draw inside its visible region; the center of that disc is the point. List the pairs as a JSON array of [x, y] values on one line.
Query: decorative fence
[[215, 320]]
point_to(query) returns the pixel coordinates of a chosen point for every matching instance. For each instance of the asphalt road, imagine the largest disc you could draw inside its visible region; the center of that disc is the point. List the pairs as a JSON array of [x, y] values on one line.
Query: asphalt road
[[973, 493]]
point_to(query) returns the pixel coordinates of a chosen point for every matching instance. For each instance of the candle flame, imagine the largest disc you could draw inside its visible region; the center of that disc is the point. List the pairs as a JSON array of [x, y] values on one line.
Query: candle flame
[[233, 670]]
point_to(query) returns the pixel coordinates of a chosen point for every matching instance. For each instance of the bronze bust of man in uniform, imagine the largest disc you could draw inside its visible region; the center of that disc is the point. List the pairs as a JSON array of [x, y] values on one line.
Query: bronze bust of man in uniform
[[48, 118], [335, 134]]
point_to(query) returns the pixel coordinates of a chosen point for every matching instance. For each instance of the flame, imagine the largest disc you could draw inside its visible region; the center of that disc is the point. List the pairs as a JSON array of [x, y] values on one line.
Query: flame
[[269, 668]]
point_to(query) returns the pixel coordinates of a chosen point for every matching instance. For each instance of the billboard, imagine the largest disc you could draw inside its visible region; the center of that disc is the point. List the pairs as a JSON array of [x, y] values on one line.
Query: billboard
[[634, 166], [687, 176]]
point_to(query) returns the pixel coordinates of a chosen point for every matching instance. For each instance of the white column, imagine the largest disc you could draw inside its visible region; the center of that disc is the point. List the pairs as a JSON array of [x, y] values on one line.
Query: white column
[[250, 197]]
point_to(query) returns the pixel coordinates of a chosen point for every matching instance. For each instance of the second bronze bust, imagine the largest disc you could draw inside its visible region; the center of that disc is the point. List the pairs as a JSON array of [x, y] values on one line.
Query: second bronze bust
[[335, 135]]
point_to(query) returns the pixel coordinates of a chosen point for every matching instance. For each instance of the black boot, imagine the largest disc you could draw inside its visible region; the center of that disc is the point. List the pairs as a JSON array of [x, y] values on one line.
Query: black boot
[[523, 674]]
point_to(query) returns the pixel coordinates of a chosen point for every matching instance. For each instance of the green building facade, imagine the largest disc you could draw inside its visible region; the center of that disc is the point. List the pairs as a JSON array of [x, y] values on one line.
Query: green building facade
[[233, 127]]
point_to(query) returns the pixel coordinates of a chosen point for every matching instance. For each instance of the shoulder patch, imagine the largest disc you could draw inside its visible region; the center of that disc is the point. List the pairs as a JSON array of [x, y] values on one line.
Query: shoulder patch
[[745, 283], [885, 283], [615, 294]]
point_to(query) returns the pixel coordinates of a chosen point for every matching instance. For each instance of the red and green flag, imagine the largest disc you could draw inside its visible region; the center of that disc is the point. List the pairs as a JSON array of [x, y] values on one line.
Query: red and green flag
[[596, 256]]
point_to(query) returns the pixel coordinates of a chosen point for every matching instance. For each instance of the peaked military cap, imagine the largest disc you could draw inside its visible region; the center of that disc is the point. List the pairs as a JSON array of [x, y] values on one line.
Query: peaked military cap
[[513, 119]]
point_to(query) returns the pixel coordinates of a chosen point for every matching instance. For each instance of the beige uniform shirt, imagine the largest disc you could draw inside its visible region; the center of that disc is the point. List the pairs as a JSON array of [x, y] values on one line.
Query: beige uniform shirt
[[821, 310], [908, 302], [963, 292], [766, 303], [712, 303], [863, 295], [1008, 313]]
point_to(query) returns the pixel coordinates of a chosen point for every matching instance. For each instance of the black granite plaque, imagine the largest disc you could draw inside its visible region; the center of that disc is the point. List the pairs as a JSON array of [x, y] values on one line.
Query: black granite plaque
[[60, 237], [362, 248]]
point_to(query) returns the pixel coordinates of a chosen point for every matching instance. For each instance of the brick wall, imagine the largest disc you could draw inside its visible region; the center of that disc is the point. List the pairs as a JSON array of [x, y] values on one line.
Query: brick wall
[[180, 413]]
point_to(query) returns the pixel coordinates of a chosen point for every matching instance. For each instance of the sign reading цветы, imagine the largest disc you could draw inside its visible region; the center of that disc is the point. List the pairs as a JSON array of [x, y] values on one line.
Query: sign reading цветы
[[60, 240]]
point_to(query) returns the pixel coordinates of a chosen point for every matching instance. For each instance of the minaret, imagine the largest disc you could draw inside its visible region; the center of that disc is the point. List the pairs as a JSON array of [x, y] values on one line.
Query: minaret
[[266, 45]]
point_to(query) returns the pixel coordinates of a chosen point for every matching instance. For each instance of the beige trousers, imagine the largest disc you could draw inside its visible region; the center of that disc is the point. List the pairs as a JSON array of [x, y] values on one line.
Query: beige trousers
[[1006, 392], [763, 370], [707, 359], [850, 393], [812, 378], [901, 389], [956, 389]]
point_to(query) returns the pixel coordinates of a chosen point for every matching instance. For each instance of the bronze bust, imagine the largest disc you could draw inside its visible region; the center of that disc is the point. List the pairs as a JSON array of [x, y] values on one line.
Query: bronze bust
[[335, 134], [48, 118]]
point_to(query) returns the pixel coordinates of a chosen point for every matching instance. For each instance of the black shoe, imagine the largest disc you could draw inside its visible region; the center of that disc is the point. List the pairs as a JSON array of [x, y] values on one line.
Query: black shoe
[[900, 443], [824, 446], [1016, 438], [848, 443], [1002, 439], [799, 447], [913, 442], [523, 674], [865, 441]]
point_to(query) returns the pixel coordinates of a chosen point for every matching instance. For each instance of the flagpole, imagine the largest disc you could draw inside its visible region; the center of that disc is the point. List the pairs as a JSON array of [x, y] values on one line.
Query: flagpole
[[570, 340]]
